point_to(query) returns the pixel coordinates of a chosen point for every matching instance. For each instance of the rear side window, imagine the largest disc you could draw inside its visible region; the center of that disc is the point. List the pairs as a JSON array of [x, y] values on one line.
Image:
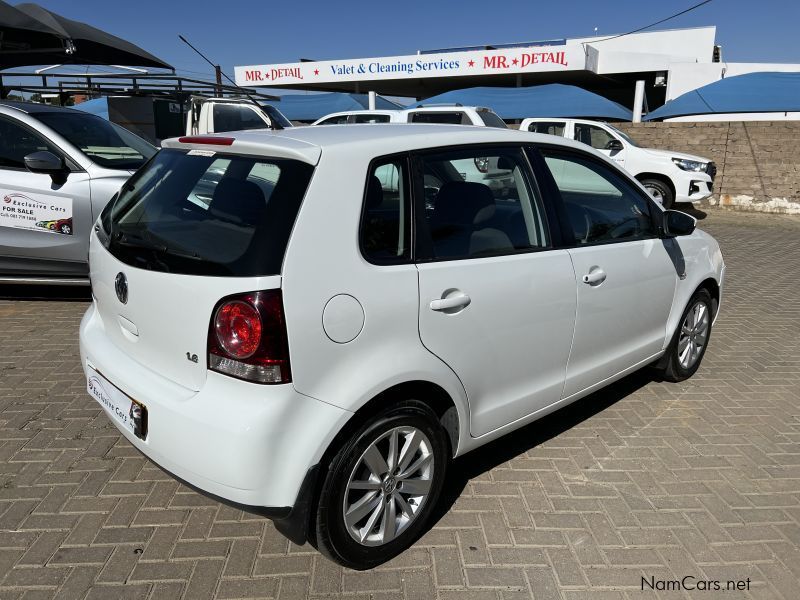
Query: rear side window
[[207, 215], [371, 118], [230, 117], [548, 127], [338, 120], [602, 206], [386, 222], [445, 118]]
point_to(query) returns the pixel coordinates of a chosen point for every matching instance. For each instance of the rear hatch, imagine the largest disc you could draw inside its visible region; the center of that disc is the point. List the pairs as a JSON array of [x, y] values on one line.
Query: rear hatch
[[193, 226]]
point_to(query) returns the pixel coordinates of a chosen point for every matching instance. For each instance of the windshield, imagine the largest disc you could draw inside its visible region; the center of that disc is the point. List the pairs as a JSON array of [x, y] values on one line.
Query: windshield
[[276, 116], [206, 214], [490, 119], [104, 143], [623, 135]]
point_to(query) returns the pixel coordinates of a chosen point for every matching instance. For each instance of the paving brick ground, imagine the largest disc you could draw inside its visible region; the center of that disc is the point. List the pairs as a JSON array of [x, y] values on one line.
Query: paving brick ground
[[645, 479]]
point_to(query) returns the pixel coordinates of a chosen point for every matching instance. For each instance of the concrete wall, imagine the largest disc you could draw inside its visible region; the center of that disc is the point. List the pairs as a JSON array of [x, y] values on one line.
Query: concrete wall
[[758, 163]]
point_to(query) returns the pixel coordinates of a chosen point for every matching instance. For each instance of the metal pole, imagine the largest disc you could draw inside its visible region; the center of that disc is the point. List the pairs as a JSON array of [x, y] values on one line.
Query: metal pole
[[372, 100], [638, 101], [218, 71]]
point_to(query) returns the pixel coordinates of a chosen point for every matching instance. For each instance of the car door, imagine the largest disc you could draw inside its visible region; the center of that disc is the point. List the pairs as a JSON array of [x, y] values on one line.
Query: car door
[[497, 301], [44, 224], [625, 276], [601, 139]]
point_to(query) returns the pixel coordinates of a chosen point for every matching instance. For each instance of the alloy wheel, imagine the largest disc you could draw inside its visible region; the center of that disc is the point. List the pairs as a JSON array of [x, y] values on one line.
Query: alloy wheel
[[388, 486], [694, 335]]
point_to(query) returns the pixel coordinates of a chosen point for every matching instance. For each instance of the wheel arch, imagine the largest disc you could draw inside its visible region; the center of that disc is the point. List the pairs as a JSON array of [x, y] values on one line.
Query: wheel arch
[[640, 177]]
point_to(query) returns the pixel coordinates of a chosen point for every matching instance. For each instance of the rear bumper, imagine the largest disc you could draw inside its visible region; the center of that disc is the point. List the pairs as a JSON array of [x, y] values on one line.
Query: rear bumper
[[247, 444]]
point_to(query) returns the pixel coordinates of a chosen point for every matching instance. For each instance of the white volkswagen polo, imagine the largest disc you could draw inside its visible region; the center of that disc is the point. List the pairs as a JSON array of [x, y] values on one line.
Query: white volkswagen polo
[[279, 331]]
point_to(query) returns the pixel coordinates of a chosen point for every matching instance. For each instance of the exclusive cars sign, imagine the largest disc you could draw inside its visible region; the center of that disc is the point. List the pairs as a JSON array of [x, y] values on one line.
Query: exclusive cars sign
[[450, 64], [36, 212]]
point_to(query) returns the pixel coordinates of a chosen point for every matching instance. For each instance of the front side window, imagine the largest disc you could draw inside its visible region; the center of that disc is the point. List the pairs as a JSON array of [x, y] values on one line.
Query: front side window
[[548, 127], [386, 222], [231, 117], [601, 205], [220, 215], [104, 143], [445, 118], [593, 136], [480, 202], [16, 142]]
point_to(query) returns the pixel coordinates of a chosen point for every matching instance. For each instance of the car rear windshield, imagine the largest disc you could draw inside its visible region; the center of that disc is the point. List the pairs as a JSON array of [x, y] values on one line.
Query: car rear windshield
[[104, 143], [201, 213]]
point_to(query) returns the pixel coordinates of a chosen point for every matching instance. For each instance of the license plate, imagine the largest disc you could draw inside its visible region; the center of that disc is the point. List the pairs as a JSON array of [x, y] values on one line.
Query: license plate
[[130, 414]]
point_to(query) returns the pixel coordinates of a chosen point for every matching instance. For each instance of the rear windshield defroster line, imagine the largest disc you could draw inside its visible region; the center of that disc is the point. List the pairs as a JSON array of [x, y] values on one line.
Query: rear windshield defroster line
[[218, 215]]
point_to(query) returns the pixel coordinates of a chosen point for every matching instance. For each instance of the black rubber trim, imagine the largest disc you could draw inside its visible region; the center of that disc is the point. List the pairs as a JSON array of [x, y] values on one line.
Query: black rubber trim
[[291, 521]]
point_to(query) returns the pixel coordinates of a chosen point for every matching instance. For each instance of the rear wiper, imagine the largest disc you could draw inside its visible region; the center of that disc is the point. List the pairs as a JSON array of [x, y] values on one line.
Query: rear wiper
[[132, 241]]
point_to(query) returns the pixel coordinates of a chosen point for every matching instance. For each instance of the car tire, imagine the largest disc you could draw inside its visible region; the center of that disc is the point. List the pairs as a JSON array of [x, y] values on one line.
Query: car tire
[[382, 486], [660, 191], [690, 341], [66, 229]]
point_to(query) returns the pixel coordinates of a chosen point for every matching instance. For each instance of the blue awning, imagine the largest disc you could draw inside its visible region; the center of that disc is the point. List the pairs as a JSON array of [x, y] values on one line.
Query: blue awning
[[552, 100], [310, 107], [753, 92]]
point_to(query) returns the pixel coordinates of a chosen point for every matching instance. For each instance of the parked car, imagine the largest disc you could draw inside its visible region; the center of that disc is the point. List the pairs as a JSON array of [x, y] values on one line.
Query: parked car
[[217, 115], [58, 169], [443, 114], [313, 361], [477, 169], [669, 176]]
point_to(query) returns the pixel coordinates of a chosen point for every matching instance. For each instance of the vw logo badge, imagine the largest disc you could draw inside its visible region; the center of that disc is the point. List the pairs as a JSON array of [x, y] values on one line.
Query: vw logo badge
[[121, 287]]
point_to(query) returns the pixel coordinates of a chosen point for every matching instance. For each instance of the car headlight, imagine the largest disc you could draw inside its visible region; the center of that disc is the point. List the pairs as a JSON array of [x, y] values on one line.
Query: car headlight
[[690, 165]]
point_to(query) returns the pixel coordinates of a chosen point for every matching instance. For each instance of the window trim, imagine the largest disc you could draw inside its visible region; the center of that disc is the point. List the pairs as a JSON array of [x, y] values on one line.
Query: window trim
[[566, 224], [423, 249], [69, 163], [408, 257]]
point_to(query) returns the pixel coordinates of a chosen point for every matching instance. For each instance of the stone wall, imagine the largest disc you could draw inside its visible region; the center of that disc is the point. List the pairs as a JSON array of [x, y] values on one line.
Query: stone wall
[[758, 163]]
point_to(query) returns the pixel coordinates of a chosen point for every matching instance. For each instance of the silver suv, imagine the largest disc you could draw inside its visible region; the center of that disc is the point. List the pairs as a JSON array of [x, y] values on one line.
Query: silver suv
[[58, 169]]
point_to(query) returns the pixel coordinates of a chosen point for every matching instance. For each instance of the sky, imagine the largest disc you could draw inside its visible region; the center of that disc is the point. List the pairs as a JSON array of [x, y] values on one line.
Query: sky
[[237, 32]]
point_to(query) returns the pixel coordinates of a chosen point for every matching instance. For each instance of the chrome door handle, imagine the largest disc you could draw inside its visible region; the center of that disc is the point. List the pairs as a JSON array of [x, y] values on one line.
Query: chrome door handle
[[459, 300], [595, 277]]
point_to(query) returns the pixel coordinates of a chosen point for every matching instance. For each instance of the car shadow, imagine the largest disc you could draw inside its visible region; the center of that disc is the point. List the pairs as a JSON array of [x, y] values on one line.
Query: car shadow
[[45, 293], [493, 454], [690, 209]]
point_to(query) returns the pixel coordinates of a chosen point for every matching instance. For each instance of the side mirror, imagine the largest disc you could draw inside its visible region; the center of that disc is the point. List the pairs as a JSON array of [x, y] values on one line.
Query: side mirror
[[678, 223], [614, 146], [44, 162]]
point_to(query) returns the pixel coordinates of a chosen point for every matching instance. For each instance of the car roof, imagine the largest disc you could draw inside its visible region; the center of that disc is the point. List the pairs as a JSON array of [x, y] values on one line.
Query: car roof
[[34, 108], [377, 139]]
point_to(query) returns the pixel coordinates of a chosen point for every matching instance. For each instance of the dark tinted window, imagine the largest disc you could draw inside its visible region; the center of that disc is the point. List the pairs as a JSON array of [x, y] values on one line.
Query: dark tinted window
[[337, 120], [232, 117], [105, 143], [447, 118], [276, 116], [548, 127], [16, 142], [479, 203], [490, 119], [386, 224], [601, 205], [207, 215], [366, 118]]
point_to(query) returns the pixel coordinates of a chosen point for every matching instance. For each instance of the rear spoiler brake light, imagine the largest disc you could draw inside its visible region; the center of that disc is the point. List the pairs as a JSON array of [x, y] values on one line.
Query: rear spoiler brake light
[[206, 139]]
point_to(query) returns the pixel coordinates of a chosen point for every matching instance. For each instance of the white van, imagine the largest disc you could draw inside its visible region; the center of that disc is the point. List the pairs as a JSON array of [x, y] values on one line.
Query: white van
[[668, 176]]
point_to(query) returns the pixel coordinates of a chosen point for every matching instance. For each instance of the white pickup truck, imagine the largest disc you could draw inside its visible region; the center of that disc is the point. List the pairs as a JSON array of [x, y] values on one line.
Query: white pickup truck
[[215, 115], [669, 176]]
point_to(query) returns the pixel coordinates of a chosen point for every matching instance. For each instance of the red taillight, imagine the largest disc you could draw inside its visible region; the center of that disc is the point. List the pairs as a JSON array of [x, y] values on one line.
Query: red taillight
[[247, 338], [209, 140]]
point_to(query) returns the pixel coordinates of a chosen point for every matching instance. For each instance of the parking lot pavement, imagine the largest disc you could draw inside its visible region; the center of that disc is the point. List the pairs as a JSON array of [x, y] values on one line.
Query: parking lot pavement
[[644, 481]]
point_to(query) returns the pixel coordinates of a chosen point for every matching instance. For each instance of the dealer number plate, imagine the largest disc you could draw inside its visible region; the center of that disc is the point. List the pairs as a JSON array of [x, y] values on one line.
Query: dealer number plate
[[130, 414]]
